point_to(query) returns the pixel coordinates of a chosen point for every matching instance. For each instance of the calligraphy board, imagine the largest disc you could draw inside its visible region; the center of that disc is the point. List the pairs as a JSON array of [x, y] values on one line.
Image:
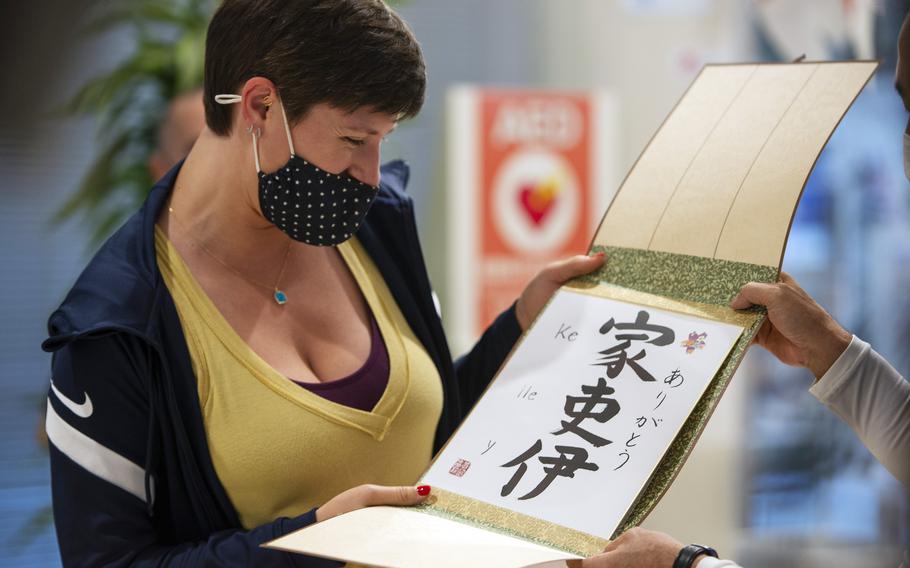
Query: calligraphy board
[[578, 436]]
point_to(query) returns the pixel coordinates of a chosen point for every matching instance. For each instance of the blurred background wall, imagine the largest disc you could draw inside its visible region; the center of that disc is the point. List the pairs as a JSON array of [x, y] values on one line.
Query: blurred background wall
[[776, 480]]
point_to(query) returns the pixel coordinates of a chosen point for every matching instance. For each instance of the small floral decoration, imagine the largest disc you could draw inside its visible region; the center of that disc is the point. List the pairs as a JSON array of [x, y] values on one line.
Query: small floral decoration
[[695, 341]]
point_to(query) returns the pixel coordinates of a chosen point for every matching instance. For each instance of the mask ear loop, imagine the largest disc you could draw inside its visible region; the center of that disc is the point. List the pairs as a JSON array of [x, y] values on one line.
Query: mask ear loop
[[287, 129], [255, 136], [228, 99]]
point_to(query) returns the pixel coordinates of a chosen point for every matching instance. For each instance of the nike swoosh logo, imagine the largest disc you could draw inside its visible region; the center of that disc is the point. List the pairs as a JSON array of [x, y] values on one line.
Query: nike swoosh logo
[[83, 410]]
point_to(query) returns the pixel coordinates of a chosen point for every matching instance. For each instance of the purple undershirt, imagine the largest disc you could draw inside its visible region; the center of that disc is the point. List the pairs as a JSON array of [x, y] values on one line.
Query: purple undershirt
[[364, 387]]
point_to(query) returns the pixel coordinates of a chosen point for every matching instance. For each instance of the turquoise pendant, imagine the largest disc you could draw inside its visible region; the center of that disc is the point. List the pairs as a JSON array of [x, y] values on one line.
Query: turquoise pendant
[[280, 297]]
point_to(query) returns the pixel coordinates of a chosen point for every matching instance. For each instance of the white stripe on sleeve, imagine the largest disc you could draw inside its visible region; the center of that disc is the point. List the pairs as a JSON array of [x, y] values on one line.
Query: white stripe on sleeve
[[97, 459]]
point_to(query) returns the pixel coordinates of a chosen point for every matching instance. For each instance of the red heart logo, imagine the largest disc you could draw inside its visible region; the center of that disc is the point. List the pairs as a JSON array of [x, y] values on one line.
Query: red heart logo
[[538, 200]]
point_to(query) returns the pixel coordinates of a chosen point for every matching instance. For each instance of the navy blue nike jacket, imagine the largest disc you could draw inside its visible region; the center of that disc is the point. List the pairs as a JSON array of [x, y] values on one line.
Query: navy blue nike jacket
[[132, 478]]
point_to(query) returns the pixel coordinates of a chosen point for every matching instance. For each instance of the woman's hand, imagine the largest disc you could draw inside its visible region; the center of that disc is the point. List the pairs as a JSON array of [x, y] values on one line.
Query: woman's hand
[[635, 548], [538, 291], [371, 496], [798, 331]]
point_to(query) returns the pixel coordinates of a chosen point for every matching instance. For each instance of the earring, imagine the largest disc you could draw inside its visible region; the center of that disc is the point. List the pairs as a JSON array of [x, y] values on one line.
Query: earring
[[249, 129], [267, 101]]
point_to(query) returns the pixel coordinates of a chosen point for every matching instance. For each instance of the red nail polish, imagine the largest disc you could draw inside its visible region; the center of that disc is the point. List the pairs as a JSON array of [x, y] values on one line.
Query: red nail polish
[[423, 490]]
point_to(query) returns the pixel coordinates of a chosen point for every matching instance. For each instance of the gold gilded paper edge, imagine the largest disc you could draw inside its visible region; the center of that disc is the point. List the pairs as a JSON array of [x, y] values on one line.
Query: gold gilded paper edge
[[512, 523]]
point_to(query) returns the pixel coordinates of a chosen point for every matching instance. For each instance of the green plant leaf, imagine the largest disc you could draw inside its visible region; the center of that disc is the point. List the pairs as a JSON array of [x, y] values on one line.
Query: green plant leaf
[[176, 14], [189, 61], [128, 102]]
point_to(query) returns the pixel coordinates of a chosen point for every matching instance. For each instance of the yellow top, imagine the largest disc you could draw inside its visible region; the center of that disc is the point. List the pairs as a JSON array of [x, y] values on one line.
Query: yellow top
[[279, 449]]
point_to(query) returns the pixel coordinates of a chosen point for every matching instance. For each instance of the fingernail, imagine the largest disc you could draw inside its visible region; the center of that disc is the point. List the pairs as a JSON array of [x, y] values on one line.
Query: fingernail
[[423, 490], [598, 254]]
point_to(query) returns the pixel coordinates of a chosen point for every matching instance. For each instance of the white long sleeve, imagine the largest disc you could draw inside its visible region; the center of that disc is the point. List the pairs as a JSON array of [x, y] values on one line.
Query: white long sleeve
[[708, 562], [874, 399]]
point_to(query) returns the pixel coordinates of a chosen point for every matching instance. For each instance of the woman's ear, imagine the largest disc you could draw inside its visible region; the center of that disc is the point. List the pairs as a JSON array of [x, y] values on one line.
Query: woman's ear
[[258, 96]]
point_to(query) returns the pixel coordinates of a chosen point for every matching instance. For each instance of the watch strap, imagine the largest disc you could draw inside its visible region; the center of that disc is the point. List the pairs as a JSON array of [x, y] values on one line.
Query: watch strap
[[689, 552]]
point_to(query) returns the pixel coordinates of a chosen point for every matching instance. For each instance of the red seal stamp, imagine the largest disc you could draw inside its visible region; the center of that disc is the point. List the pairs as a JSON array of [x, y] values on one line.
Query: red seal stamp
[[459, 468]]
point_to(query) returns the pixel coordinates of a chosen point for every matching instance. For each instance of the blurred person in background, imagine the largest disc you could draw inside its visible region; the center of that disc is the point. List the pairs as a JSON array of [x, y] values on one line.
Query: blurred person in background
[[852, 380], [181, 125], [257, 348]]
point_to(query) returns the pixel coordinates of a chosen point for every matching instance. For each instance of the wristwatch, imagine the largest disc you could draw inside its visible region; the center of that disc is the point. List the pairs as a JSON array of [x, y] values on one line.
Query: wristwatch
[[689, 552]]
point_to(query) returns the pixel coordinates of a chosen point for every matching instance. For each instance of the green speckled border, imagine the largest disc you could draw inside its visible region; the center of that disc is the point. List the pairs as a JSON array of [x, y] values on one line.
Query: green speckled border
[[679, 276], [457, 507]]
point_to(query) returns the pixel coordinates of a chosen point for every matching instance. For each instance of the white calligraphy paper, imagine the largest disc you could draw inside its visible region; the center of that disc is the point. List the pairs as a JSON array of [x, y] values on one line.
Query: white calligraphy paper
[[583, 411]]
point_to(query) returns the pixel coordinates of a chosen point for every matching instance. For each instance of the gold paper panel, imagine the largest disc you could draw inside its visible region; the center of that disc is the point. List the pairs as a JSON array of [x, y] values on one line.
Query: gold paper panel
[[636, 210], [723, 175], [767, 201], [696, 212]]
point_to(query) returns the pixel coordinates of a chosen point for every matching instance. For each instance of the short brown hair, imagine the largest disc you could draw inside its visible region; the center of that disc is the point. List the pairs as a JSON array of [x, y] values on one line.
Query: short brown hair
[[346, 53]]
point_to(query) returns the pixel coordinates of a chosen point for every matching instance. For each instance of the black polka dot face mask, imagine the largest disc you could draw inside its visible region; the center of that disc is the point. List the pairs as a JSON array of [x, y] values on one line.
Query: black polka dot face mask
[[314, 206], [309, 204]]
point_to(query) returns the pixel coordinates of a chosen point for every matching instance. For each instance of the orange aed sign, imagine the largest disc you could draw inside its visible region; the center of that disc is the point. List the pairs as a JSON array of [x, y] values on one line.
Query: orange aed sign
[[535, 186], [535, 196]]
